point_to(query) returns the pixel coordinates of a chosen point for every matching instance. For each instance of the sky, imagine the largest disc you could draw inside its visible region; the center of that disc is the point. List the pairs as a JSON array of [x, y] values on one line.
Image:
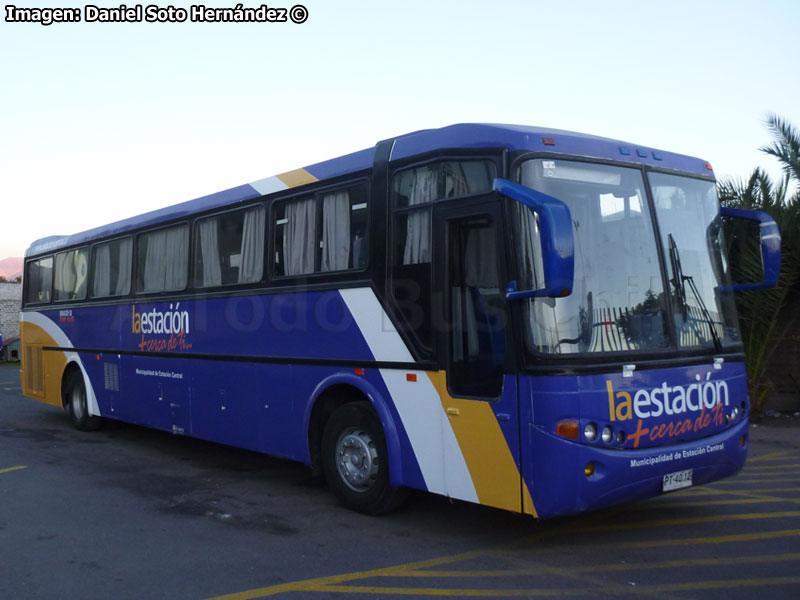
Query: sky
[[102, 121]]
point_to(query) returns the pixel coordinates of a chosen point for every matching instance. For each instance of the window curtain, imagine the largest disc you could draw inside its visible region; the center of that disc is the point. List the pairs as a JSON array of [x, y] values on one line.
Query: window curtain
[[81, 268], [300, 234], [124, 267], [455, 180], [177, 246], [71, 272], [209, 251], [418, 233], [62, 276], [530, 249], [542, 316], [252, 245], [155, 262], [101, 282], [165, 261], [335, 231]]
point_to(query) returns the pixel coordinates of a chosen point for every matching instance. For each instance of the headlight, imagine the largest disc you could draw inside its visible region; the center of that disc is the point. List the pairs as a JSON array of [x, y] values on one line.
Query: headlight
[[590, 432], [608, 434]]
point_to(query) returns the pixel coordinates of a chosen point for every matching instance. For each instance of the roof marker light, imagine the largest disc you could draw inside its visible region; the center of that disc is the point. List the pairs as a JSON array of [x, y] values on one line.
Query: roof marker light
[[548, 141], [657, 156], [641, 153], [624, 151], [708, 166]]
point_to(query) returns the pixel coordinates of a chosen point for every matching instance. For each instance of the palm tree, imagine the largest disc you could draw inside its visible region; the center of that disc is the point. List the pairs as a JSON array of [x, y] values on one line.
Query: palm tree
[[786, 145], [765, 317]]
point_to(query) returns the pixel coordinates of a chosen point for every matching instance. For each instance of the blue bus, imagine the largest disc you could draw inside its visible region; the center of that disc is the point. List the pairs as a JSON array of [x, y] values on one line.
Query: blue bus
[[530, 319]]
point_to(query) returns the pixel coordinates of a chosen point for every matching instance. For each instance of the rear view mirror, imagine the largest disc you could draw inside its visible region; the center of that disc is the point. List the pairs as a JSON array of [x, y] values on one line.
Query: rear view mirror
[[770, 248], [557, 250]]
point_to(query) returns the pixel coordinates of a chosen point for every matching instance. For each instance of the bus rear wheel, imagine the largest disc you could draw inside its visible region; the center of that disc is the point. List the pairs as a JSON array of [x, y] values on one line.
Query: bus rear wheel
[[355, 460], [77, 405]]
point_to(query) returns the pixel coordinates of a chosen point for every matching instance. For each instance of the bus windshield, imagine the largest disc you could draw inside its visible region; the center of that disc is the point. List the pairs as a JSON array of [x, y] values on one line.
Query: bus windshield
[[619, 302]]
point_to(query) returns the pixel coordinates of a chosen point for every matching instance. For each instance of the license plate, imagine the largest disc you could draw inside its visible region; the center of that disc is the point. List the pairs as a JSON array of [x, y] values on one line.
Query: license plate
[[677, 480]]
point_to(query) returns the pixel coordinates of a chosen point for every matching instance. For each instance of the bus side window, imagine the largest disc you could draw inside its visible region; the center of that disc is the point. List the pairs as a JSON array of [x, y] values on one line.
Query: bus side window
[[71, 274], [344, 230], [39, 280], [163, 257], [323, 233], [229, 248], [295, 232], [111, 268]]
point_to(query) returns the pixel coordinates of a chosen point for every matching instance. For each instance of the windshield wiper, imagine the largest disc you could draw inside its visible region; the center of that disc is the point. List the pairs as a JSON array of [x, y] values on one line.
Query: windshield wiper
[[678, 281]]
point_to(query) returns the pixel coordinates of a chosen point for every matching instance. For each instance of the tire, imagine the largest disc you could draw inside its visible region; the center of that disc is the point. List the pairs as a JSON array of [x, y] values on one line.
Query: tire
[[77, 406], [355, 460]]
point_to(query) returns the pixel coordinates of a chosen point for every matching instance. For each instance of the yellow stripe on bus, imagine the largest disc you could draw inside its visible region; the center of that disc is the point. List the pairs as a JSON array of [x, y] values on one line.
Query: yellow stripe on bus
[[41, 370], [297, 178], [491, 465]]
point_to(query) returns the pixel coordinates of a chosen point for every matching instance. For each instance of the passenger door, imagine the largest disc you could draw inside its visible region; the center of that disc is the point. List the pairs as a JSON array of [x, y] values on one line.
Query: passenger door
[[478, 388]]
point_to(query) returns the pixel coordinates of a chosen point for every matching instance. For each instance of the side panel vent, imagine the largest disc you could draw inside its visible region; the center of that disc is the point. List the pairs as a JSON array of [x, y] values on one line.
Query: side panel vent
[[34, 373], [111, 375]]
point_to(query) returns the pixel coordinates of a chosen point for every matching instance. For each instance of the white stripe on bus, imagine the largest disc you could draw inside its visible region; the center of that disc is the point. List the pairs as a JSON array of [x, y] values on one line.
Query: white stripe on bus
[[418, 403]]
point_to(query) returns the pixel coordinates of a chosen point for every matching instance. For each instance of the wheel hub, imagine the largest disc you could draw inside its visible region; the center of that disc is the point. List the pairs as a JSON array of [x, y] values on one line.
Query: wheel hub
[[357, 459], [77, 403]]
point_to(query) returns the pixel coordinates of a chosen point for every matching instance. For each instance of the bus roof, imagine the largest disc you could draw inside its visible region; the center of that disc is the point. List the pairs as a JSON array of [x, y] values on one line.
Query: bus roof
[[465, 135]]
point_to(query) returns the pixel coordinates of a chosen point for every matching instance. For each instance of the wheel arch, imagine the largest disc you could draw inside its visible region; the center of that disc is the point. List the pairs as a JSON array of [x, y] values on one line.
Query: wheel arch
[[336, 391], [72, 366]]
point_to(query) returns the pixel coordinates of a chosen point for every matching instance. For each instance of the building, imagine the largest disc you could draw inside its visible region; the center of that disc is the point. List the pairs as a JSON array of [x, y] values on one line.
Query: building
[[10, 307]]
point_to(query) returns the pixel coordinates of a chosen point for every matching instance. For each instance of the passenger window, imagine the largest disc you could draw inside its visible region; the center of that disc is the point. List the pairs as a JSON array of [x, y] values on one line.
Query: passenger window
[[229, 248], [295, 233], [39, 280], [72, 270], [163, 260], [111, 268], [323, 233]]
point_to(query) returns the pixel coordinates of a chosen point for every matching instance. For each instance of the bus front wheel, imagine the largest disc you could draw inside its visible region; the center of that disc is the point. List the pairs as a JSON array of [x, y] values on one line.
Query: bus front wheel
[[355, 460], [77, 406]]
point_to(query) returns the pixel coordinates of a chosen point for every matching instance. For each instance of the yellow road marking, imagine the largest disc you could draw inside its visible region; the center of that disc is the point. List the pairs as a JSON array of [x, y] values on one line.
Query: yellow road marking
[[760, 495], [328, 584], [760, 474], [768, 456], [606, 589], [604, 568], [786, 489], [9, 469], [691, 521], [722, 539], [402, 569], [706, 490], [735, 502], [755, 480]]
